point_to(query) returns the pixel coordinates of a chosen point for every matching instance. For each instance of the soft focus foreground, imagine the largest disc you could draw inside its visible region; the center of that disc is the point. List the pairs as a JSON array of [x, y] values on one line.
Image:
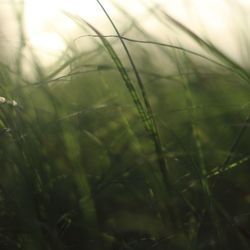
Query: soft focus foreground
[[129, 139]]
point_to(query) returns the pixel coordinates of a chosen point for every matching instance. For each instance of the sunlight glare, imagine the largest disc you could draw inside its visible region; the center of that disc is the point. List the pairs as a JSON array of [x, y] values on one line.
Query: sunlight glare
[[47, 25]]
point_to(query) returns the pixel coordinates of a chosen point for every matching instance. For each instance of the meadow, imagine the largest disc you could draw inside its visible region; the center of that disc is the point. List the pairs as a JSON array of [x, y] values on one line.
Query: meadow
[[133, 143]]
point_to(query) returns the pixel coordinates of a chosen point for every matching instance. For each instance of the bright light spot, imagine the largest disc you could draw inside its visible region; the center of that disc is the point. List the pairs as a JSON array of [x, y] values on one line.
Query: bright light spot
[[47, 26]]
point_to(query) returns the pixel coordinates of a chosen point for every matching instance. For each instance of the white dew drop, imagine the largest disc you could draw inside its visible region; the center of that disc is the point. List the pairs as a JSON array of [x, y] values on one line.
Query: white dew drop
[[2, 100], [14, 103]]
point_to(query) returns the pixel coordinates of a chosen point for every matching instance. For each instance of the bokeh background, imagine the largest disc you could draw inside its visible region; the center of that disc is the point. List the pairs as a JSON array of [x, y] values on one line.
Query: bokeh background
[[124, 125]]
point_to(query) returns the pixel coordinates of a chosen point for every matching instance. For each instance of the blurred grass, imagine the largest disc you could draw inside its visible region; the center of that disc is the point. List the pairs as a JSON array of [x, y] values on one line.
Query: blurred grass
[[142, 149]]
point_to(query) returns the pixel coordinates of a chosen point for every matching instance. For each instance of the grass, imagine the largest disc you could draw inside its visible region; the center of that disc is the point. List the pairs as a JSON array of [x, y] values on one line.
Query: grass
[[135, 144]]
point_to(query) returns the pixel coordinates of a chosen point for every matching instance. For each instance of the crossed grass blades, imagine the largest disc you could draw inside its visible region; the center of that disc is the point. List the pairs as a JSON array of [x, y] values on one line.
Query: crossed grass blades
[[108, 150]]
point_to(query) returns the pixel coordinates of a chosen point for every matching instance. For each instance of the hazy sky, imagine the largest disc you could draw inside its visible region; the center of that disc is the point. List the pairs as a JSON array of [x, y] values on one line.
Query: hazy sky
[[216, 19]]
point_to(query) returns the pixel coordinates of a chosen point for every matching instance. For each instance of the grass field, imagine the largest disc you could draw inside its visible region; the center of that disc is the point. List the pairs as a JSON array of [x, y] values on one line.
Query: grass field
[[135, 144]]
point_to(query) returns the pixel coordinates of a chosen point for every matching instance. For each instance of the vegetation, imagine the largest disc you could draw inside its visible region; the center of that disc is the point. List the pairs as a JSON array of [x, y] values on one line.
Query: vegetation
[[135, 144]]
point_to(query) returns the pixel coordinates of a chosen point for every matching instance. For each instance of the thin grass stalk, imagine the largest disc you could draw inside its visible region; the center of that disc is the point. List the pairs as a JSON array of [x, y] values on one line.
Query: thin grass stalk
[[225, 165], [146, 118], [19, 13], [201, 167], [168, 46], [210, 47], [154, 133]]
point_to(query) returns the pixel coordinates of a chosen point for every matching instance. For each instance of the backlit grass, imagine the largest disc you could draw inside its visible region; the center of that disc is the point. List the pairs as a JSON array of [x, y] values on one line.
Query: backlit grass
[[135, 144]]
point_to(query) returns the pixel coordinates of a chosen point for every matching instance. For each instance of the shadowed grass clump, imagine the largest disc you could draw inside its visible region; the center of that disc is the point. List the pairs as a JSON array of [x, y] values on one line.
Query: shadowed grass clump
[[135, 144]]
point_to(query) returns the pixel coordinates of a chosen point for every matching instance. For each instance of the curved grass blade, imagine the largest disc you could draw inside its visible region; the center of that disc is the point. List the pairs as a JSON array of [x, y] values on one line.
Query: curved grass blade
[[145, 112], [210, 47], [149, 112], [164, 45]]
